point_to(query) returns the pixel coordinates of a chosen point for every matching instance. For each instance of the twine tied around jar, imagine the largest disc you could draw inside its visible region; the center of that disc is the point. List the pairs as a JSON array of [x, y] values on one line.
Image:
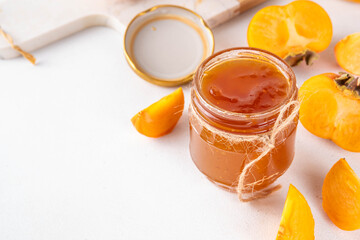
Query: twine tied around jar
[[268, 140], [285, 118]]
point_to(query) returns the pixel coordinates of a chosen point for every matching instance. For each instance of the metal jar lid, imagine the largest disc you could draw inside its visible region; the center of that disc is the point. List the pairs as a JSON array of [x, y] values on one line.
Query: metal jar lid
[[165, 44]]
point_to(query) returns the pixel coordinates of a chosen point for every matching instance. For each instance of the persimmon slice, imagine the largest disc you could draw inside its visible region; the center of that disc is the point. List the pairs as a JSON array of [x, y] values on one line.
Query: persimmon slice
[[347, 52], [341, 196], [297, 222], [292, 30], [161, 117]]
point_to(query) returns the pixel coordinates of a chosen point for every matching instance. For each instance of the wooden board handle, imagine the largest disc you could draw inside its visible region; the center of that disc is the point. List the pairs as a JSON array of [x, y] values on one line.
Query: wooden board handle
[[34, 26], [234, 7], [247, 4]]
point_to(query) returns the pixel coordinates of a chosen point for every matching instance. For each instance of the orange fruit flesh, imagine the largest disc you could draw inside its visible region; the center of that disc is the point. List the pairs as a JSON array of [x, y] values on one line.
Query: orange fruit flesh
[[291, 29], [297, 222], [328, 112], [347, 52], [318, 109], [161, 117], [341, 196]]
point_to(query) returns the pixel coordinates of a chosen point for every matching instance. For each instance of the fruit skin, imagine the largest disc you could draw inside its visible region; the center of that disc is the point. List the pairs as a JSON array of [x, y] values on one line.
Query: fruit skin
[[330, 112], [161, 117], [297, 222], [341, 196], [291, 29], [347, 53]]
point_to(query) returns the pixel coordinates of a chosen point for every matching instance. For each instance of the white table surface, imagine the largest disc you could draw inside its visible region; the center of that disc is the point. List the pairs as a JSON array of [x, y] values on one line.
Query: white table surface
[[72, 166]]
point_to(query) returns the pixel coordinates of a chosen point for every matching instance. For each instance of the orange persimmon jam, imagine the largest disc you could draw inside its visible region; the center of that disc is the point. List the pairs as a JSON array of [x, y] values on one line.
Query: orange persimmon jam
[[244, 86], [237, 95]]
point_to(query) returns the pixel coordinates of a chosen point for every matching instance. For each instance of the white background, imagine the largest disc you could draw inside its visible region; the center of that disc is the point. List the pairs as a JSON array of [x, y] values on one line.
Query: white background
[[73, 167]]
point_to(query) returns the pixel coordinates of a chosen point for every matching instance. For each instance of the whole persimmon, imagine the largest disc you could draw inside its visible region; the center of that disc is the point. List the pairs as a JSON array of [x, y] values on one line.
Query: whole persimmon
[[295, 32]]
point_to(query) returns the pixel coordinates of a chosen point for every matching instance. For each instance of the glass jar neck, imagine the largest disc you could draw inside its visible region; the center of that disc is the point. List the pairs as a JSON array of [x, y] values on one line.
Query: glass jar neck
[[234, 122]]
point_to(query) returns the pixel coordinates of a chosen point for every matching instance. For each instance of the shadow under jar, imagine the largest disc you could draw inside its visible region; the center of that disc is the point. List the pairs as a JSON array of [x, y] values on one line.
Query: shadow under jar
[[237, 95]]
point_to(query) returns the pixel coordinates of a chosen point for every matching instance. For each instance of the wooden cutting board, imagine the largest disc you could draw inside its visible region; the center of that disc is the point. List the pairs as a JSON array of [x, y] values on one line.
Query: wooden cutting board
[[36, 23]]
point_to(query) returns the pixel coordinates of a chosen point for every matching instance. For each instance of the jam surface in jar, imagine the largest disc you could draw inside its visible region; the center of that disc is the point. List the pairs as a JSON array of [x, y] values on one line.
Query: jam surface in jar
[[238, 97], [245, 86]]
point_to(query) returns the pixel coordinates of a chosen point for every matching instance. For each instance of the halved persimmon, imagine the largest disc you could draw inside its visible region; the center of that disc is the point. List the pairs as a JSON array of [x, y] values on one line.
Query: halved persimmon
[[330, 108], [161, 117], [297, 222], [341, 196], [347, 52], [318, 108], [295, 31]]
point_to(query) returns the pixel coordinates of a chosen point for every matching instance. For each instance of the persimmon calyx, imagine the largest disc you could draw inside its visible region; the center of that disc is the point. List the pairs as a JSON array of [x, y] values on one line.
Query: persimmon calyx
[[348, 83], [293, 59]]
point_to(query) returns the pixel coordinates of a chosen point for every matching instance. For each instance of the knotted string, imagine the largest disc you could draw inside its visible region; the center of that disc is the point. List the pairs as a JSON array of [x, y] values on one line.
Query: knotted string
[[269, 144]]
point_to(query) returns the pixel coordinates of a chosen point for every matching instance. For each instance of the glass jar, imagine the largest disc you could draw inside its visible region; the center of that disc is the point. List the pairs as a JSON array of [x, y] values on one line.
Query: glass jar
[[217, 144]]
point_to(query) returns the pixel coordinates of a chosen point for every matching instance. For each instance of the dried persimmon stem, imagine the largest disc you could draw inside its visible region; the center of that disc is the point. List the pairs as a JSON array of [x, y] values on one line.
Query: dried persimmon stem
[[25, 54], [348, 81]]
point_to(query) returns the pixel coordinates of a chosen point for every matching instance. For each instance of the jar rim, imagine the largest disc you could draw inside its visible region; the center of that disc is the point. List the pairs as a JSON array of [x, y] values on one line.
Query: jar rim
[[256, 53]]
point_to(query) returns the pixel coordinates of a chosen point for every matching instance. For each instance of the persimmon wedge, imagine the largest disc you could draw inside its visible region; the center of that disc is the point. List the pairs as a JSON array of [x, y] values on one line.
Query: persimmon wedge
[[297, 222], [295, 32], [347, 52], [161, 117], [341, 196]]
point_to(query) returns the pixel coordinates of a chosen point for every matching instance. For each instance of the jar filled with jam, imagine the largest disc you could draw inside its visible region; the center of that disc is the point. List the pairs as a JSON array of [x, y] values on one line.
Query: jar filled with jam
[[236, 98]]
